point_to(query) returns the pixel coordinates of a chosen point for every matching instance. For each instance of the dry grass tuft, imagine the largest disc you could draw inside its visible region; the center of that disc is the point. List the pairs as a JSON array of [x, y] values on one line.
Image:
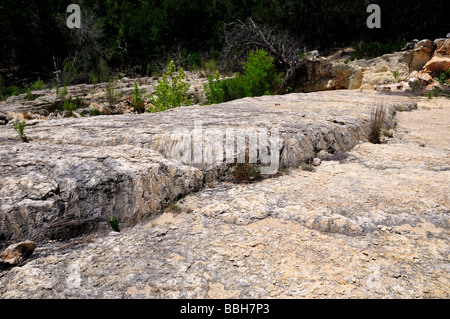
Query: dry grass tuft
[[376, 123]]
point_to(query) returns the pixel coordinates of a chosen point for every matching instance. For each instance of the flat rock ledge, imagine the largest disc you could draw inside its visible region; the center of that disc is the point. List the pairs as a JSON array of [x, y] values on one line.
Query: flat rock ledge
[[368, 223], [73, 174]]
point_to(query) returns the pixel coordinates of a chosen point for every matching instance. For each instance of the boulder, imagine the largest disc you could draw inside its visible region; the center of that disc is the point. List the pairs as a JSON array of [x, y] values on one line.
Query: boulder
[[434, 85], [442, 47], [421, 54], [424, 77], [16, 253], [437, 64]]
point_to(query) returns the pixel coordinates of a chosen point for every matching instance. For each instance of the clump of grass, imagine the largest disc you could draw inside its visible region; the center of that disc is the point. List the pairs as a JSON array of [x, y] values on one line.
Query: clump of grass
[[174, 208], [20, 129], [136, 99], [396, 76], [38, 85], [114, 223], [309, 167], [110, 92], [376, 123], [95, 112], [245, 173]]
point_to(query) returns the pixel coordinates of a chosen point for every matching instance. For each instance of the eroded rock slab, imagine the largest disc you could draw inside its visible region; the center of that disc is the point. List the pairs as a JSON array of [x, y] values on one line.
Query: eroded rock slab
[[74, 173], [373, 224]]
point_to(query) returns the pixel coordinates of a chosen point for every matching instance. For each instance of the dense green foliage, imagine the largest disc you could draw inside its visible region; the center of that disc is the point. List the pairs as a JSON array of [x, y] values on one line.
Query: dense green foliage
[[259, 77], [171, 90], [135, 36]]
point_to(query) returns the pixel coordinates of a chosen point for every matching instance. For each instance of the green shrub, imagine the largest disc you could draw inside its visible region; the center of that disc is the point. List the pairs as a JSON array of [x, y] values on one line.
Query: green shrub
[[245, 173], [61, 93], [68, 105], [444, 76], [20, 129], [213, 90], [195, 61], [171, 90], [396, 76], [38, 85], [259, 77], [137, 102], [30, 96], [69, 73], [12, 91], [95, 112], [114, 223]]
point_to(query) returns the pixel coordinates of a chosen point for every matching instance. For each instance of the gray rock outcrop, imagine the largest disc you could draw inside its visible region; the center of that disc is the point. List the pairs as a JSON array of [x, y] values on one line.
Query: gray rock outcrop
[[74, 173], [370, 223]]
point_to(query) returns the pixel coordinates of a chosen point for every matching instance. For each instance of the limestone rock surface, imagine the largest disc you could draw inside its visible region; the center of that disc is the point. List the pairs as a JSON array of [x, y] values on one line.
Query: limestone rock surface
[[370, 223]]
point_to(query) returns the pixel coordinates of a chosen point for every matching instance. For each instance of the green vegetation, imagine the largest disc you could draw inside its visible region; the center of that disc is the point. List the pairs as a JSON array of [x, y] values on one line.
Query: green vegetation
[[95, 112], [69, 105], [171, 90], [20, 129], [136, 99], [259, 78], [396, 76], [38, 85], [61, 94], [133, 37], [110, 92], [245, 173], [114, 223], [444, 77]]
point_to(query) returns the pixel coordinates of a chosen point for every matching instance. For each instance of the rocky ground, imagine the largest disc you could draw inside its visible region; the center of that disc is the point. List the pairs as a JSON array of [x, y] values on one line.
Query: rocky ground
[[371, 223]]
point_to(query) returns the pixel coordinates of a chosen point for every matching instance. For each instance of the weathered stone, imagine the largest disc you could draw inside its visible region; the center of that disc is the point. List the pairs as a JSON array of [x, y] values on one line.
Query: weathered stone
[[442, 47], [424, 77], [437, 64], [16, 253], [371, 225], [75, 173], [434, 85]]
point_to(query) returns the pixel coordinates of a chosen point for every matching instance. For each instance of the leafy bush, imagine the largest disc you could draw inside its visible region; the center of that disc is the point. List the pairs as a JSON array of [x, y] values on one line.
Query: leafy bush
[[396, 76], [259, 78], [61, 93], [38, 85], [213, 90], [30, 96], [171, 90], [137, 102]]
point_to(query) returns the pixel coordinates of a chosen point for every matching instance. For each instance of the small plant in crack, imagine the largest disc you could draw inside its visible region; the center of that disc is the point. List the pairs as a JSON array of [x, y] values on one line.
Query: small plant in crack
[[376, 123], [114, 223], [20, 129], [245, 173]]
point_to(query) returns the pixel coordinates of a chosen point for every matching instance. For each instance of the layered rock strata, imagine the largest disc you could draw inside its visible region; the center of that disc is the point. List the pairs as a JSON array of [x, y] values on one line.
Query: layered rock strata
[[75, 173]]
